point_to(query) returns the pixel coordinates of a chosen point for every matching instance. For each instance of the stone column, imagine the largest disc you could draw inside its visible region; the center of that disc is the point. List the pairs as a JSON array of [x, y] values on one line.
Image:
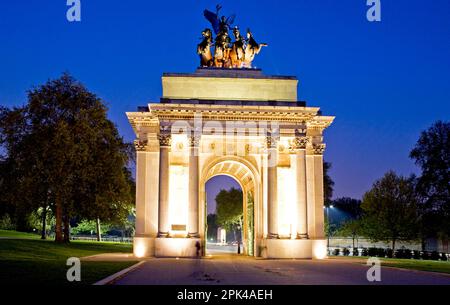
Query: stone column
[[299, 147], [314, 178], [272, 191], [141, 180], [164, 168], [318, 150], [193, 219]]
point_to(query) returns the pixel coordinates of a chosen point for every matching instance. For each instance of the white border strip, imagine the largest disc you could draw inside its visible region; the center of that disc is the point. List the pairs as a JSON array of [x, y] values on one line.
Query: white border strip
[[117, 275]]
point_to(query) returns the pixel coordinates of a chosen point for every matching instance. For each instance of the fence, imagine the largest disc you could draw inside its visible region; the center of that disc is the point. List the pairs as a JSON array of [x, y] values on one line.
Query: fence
[[104, 238], [387, 252], [430, 244]]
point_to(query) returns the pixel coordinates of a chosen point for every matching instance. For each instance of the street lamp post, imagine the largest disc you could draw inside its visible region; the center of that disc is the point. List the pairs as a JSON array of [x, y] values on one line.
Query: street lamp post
[[329, 226], [239, 240]]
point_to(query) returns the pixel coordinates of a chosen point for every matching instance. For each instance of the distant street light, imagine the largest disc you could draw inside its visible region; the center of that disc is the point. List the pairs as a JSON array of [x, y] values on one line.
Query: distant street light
[[327, 208]]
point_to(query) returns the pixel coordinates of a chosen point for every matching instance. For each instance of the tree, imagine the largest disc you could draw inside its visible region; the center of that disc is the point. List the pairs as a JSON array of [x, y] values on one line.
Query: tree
[[351, 207], [390, 210], [66, 154], [352, 228], [15, 176], [229, 208], [87, 227], [432, 154], [328, 184], [211, 221]]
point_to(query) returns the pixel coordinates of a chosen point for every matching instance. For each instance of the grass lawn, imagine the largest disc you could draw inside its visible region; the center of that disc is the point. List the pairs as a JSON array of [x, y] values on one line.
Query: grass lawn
[[28, 261], [422, 265], [15, 234], [414, 264]]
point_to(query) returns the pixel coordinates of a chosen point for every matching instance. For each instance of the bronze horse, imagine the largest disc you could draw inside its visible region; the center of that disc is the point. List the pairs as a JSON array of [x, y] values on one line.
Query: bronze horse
[[222, 50], [237, 53], [204, 49], [253, 48]]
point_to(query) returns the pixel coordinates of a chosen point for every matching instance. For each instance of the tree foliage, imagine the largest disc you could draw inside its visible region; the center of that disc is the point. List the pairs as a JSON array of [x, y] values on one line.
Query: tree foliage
[[328, 183], [352, 228], [229, 208], [89, 227], [62, 151], [432, 154], [211, 220], [350, 206], [390, 210]]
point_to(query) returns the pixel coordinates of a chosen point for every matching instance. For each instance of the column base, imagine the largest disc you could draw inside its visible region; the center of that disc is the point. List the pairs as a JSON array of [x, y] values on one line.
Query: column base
[[302, 236], [177, 247], [273, 236], [294, 248], [163, 234], [193, 235], [143, 246]]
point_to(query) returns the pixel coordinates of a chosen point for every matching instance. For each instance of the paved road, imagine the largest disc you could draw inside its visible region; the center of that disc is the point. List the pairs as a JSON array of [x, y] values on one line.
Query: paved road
[[213, 248], [239, 270]]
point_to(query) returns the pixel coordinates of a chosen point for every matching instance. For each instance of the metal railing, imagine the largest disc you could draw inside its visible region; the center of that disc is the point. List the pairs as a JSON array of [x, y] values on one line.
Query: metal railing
[[115, 239]]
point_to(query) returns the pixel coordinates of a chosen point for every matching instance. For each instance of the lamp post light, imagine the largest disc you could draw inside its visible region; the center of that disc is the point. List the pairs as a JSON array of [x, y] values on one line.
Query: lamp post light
[[327, 208], [239, 240]]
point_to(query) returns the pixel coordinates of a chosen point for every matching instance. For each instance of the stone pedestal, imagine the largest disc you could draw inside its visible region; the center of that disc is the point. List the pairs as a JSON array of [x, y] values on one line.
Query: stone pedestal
[[143, 246], [176, 247], [294, 248]]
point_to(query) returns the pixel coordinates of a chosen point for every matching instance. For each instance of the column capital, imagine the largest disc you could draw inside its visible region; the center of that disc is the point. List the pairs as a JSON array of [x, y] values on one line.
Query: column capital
[[140, 145], [318, 148], [165, 139], [194, 141], [299, 142]]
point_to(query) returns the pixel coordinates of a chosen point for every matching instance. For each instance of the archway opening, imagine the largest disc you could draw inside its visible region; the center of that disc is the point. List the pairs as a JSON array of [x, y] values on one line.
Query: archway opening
[[229, 221], [225, 213]]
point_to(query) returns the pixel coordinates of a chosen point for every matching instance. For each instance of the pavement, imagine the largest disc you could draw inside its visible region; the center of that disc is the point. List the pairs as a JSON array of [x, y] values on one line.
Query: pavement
[[110, 257], [213, 248], [232, 269]]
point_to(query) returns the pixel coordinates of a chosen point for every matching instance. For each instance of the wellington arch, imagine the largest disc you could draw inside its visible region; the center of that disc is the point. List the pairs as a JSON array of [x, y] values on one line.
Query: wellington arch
[[236, 122]]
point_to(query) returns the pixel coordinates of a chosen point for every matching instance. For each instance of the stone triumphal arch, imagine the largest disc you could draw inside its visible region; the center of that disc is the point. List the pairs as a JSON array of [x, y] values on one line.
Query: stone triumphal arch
[[240, 123]]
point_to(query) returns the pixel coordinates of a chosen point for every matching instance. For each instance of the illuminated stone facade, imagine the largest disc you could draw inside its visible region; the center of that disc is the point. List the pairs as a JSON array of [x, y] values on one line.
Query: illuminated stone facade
[[239, 123]]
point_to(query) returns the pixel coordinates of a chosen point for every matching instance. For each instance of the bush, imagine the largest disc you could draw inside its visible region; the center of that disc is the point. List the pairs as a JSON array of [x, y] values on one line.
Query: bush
[[403, 253], [372, 252], [378, 252], [408, 254], [434, 256], [364, 252], [336, 252], [425, 255], [346, 252], [6, 223], [444, 257], [389, 253], [416, 254], [355, 252]]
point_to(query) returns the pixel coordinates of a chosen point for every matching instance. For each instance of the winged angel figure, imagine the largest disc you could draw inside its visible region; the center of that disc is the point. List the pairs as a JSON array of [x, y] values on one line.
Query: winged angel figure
[[219, 24]]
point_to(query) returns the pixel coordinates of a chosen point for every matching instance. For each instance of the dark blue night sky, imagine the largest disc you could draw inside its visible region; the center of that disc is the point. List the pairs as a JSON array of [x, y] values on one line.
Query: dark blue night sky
[[385, 82]]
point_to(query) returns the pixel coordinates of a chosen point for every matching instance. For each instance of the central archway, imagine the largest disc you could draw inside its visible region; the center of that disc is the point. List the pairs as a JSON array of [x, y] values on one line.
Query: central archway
[[245, 174], [219, 241]]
